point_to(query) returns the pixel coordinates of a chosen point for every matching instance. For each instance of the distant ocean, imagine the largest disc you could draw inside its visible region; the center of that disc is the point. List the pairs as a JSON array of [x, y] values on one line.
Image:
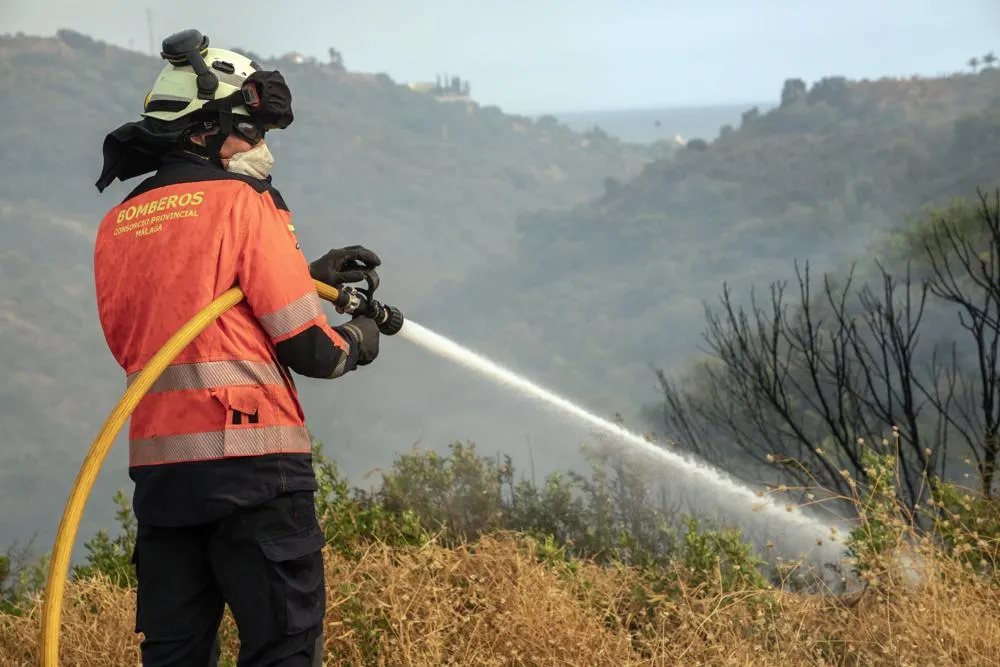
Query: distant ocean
[[649, 125]]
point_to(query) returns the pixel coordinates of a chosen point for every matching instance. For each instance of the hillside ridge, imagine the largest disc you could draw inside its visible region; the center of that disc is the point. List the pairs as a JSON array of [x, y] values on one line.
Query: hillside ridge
[[817, 177]]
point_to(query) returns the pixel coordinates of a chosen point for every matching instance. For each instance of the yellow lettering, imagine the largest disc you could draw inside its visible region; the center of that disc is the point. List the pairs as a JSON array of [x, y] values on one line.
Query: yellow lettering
[[145, 215], [146, 231]]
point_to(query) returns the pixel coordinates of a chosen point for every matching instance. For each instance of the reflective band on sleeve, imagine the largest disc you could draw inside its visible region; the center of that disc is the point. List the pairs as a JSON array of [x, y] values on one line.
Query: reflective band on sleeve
[[292, 316], [219, 444], [209, 374]]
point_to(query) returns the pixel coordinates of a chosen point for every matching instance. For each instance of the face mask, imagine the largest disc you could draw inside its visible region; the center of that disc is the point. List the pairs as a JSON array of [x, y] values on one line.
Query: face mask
[[256, 162]]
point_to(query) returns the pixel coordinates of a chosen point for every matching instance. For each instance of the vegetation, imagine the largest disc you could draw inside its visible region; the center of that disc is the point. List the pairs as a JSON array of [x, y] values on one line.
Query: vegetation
[[449, 561], [913, 344]]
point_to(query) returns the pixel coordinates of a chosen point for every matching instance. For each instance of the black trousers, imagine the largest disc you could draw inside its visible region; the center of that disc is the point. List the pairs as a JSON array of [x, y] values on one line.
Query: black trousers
[[265, 562]]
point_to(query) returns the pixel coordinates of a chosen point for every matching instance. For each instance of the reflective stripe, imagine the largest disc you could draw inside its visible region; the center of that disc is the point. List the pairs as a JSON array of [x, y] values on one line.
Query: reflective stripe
[[219, 444], [208, 374], [292, 316], [169, 98]]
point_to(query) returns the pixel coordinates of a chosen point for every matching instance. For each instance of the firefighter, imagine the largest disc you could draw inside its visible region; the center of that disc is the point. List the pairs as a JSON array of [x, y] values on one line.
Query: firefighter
[[218, 448]]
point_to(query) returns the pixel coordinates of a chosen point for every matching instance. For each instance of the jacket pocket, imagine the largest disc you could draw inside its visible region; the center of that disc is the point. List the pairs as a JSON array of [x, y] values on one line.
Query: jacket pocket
[[296, 578], [247, 409]]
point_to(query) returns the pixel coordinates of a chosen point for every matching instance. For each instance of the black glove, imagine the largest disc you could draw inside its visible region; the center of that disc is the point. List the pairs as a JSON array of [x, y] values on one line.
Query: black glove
[[352, 264], [365, 334]]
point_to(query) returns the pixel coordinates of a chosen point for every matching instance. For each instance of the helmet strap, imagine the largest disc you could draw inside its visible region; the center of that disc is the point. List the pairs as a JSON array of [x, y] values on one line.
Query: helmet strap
[[225, 123], [213, 141]]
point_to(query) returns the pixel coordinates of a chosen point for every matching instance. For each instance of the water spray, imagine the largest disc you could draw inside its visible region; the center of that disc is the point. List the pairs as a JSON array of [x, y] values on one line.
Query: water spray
[[714, 477], [390, 320]]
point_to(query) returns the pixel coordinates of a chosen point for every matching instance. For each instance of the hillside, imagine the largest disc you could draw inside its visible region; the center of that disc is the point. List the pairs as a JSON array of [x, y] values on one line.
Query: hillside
[[365, 158], [620, 281], [432, 187]]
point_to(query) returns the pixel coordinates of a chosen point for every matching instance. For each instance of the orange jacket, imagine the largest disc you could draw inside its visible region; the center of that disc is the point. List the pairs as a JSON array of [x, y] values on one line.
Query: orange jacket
[[183, 237]]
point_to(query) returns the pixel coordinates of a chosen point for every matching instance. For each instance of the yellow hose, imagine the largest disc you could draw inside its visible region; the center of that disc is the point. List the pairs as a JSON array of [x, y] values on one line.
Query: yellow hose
[[59, 565]]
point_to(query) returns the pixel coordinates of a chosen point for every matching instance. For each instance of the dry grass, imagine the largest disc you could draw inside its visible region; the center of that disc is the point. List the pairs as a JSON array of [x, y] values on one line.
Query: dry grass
[[494, 603]]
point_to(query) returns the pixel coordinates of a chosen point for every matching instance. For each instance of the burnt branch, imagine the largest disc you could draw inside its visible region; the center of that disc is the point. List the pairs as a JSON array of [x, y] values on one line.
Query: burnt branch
[[965, 269], [816, 373]]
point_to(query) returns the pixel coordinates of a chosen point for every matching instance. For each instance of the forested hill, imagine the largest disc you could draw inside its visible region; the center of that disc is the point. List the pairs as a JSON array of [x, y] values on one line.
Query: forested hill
[[610, 287], [431, 185], [366, 157]]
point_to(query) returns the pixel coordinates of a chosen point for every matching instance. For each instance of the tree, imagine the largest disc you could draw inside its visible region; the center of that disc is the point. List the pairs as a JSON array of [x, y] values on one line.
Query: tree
[[973, 62], [79, 41], [749, 116], [792, 381], [336, 59], [612, 186], [832, 90], [803, 383], [793, 91], [989, 59], [966, 274]]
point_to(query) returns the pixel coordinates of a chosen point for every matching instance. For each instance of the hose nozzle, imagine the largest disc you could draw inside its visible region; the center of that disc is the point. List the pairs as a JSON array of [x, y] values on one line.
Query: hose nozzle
[[388, 318], [358, 302]]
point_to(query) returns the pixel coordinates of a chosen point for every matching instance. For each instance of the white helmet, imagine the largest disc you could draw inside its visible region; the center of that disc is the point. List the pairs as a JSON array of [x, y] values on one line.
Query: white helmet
[[200, 83], [199, 86], [181, 90]]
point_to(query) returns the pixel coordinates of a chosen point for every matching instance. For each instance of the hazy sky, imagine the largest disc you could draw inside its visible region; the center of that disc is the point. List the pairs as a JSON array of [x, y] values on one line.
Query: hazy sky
[[548, 55]]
